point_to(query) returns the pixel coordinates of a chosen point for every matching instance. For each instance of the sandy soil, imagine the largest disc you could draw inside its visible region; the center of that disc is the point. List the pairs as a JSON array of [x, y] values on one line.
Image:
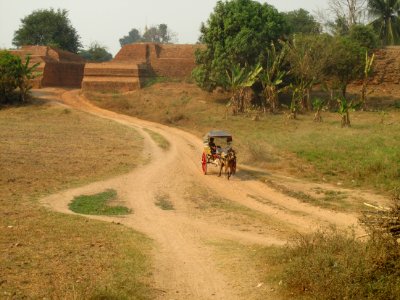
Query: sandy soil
[[185, 267]]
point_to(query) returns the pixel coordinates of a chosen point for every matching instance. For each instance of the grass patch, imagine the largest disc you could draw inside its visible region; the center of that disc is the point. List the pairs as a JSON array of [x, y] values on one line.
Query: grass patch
[[164, 202], [160, 140], [44, 149], [98, 204]]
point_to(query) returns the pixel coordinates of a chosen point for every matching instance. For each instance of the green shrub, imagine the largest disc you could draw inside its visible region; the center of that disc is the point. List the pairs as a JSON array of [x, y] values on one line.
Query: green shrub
[[8, 75], [365, 36], [15, 74]]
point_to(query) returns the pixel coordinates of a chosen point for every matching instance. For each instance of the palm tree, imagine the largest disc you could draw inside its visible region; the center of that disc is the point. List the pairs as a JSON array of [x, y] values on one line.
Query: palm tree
[[386, 19]]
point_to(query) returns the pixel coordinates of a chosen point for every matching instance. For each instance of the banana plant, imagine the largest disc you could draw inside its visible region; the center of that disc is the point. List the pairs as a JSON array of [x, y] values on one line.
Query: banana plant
[[297, 95], [318, 105], [369, 60], [238, 80], [344, 110], [273, 75], [25, 74]]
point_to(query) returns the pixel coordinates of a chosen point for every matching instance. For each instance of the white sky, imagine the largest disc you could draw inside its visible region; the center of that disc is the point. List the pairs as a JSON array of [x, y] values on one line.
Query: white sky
[[107, 21]]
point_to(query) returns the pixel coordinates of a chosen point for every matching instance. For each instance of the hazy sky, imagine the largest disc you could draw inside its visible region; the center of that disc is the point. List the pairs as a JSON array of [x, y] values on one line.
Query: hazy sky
[[107, 21]]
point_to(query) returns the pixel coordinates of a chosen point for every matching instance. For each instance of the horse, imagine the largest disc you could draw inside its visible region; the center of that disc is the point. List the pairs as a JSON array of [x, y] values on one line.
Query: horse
[[229, 162]]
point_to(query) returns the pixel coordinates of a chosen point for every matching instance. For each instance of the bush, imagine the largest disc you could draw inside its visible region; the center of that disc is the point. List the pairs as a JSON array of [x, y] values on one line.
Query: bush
[[8, 75], [15, 74], [336, 265], [365, 36]]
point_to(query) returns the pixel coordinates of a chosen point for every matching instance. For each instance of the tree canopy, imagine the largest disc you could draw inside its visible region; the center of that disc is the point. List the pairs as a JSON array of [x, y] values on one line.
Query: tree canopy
[[154, 34], [237, 32], [301, 21], [386, 22], [96, 53], [48, 27]]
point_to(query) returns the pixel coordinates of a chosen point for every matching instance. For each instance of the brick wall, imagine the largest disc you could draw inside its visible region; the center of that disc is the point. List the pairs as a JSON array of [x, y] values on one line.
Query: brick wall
[[387, 66], [58, 67], [65, 74]]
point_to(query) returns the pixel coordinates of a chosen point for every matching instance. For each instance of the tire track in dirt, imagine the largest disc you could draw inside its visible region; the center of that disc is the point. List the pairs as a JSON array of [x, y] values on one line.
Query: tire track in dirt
[[184, 264]]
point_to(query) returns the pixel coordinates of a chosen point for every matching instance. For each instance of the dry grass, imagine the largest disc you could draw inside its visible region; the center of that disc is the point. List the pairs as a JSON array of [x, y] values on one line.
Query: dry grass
[[232, 214], [45, 254]]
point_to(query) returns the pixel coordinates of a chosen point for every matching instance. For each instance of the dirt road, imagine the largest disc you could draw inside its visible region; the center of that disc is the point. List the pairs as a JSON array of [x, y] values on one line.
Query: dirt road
[[185, 267]]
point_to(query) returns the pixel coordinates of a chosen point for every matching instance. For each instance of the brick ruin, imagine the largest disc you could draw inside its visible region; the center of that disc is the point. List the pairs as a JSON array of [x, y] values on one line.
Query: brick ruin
[[134, 63], [57, 67], [386, 66]]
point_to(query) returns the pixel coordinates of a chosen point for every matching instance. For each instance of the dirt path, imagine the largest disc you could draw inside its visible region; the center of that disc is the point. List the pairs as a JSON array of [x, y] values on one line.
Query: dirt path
[[184, 264]]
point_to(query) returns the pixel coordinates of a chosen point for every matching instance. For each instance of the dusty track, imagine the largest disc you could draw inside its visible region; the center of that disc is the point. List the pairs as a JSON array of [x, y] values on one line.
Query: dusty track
[[184, 265]]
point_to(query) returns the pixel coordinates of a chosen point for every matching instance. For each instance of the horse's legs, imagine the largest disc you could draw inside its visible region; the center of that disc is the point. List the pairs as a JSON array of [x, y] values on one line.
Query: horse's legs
[[220, 169]]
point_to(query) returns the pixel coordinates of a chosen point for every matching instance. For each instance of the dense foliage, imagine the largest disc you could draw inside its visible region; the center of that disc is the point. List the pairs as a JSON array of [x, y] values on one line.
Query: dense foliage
[[48, 27], [365, 36], [345, 62], [96, 53], [301, 21], [236, 33], [386, 22], [14, 74], [8, 71], [153, 34]]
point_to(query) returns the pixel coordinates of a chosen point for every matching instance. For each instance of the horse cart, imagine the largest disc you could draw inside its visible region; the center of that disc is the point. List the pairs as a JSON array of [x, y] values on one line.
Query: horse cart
[[218, 151]]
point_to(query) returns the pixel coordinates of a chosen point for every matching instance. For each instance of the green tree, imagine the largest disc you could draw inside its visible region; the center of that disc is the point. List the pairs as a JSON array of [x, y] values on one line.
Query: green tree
[[365, 36], [307, 56], [301, 21], [132, 37], [345, 62], [154, 34], [96, 53], [339, 26], [236, 33], [159, 34], [48, 27], [386, 19]]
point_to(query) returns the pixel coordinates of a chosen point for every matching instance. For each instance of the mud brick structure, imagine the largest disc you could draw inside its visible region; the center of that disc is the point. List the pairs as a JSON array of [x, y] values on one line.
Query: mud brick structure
[[57, 67], [134, 63], [386, 66]]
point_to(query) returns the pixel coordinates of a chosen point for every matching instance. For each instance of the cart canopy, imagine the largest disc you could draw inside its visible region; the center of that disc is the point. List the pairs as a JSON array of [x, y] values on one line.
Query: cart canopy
[[218, 134]]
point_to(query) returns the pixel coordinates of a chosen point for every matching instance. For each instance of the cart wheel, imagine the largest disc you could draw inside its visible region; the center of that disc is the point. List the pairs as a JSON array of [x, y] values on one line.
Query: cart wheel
[[204, 163]]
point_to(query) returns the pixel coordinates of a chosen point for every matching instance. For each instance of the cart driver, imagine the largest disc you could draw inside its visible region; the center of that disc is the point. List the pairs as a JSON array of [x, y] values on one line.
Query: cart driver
[[212, 145]]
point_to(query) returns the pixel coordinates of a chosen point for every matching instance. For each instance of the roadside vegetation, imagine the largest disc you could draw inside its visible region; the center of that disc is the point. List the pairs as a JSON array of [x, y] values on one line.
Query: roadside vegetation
[[44, 149], [333, 264]]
